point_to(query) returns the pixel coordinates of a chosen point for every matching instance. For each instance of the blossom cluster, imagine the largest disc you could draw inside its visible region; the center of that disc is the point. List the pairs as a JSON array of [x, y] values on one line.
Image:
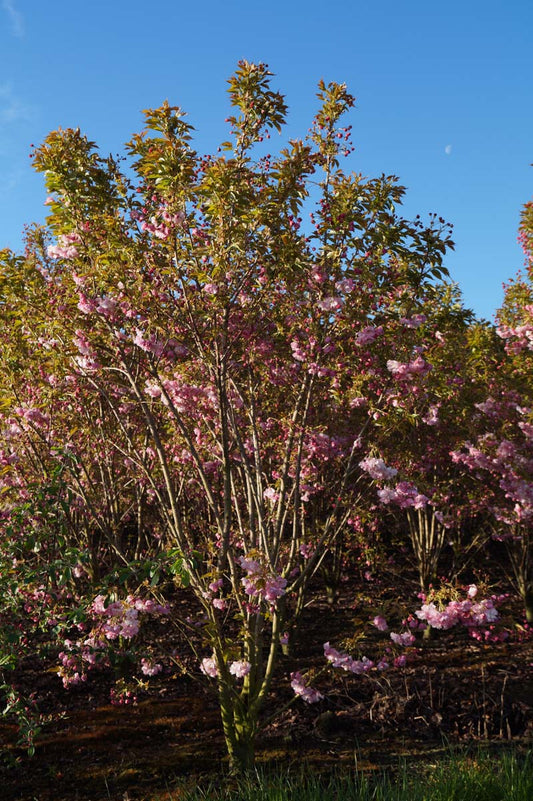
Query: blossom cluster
[[376, 468], [413, 322], [404, 639], [162, 228], [301, 688], [150, 668], [219, 603], [71, 669], [520, 337], [339, 659], [32, 415], [510, 463], [239, 668], [469, 613], [260, 583], [369, 334], [119, 619], [380, 623], [406, 371], [330, 304], [65, 248], [405, 495]]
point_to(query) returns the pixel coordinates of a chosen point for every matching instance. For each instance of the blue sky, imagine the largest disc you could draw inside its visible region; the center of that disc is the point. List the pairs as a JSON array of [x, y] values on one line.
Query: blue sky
[[444, 97]]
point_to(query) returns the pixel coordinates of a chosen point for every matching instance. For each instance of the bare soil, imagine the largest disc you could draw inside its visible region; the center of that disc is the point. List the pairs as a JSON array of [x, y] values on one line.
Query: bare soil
[[453, 691]]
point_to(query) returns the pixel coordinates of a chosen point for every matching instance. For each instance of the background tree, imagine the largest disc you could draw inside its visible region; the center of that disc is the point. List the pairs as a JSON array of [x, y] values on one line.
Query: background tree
[[502, 455]]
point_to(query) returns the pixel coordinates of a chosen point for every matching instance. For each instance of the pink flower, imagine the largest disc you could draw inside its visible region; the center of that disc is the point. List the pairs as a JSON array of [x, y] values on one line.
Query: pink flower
[[380, 623], [56, 252], [368, 334], [307, 694], [151, 607], [431, 418], [98, 605], [250, 565], [387, 495], [240, 669], [405, 371], [345, 285], [275, 587], [342, 660], [65, 248], [404, 639], [35, 416], [159, 230], [220, 603], [152, 390], [208, 665], [271, 495], [150, 668], [376, 468], [337, 658], [130, 624], [355, 403], [395, 367], [106, 306], [329, 304], [86, 305], [111, 630], [297, 352], [413, 322]]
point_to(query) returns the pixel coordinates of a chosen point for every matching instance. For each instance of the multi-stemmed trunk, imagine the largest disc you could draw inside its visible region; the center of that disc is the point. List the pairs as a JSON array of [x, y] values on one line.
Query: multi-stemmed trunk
[[239, 724]]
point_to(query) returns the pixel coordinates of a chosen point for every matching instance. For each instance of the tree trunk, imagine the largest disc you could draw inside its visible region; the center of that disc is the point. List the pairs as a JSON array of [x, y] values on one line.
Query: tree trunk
[[240, 729]]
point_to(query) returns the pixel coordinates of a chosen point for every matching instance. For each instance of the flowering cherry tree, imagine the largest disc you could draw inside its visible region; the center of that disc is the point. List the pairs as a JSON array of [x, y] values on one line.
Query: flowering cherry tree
[[501, 458], [232, 357], [428, 409]]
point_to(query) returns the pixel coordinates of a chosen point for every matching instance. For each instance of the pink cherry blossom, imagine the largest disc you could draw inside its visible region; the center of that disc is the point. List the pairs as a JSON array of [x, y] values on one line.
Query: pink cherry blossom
[[405, 638], [271, 495], [240, 669], [208, 665], [345, 285], [376, 468], [329, 304], [307, 694], [150, 668], [380, 623], [274, 587], [368, 335], [338, 659]]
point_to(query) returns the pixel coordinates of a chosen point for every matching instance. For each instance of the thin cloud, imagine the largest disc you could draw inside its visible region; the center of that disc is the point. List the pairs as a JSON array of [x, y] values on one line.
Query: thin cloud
[[13, 110], [15, 18], [10, 181], [448, 149]]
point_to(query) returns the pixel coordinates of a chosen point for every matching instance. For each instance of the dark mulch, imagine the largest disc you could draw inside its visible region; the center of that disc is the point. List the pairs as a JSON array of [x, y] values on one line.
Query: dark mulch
[[453, 690]]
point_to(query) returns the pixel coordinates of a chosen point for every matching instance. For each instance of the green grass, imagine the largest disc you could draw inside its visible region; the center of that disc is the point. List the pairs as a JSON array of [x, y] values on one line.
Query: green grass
[[476, 778]]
